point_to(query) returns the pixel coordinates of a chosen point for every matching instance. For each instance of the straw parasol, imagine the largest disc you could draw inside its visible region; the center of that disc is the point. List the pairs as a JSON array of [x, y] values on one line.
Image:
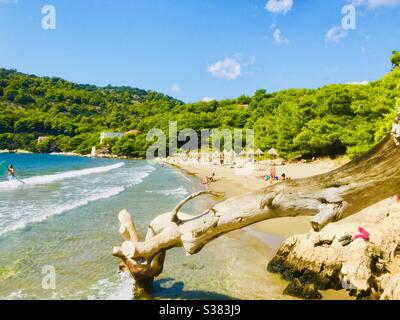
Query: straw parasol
[[259, 152], [273, 152]]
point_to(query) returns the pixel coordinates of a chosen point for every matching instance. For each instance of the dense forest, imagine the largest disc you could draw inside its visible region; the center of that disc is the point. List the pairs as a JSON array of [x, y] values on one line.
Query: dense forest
[[332, 120]]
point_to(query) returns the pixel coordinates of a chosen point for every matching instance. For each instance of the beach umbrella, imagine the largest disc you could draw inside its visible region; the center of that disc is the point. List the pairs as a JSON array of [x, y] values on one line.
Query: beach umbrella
[[243, 153], [258, 152], [273, 152]]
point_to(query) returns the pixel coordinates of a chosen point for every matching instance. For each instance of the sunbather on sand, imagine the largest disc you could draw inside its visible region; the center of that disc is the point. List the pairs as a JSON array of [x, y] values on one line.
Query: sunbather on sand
[[209, 179]]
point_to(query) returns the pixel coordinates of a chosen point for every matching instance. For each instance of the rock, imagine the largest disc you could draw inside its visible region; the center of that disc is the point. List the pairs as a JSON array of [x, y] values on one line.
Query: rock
[[277, 264], [296, 289], [322, 283], [318, 261], [391, 287], [311, 293]]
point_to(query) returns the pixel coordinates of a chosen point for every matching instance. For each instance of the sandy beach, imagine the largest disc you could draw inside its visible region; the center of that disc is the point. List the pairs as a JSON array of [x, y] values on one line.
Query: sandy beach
[[257, 244], [232, 184]]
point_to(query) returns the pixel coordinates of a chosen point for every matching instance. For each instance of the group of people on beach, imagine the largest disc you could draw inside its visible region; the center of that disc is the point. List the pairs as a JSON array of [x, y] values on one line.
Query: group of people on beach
[[272, 176]]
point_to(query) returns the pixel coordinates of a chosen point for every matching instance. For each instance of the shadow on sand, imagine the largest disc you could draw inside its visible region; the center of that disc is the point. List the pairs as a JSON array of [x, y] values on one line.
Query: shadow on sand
[[168, 288]]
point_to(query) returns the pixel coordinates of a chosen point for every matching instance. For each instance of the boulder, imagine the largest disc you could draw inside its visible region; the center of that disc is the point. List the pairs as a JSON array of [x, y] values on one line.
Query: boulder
[[297, 289]]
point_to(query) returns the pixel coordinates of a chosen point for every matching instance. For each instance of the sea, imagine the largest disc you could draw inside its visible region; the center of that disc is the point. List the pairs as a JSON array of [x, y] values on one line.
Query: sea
[[58, 218]]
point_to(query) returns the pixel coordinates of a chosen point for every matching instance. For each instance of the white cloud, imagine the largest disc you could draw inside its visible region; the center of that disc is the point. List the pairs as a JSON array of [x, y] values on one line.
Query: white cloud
[[207, 99], [229, 68], [372, 4], [176, 87], [279, 6], [279, 38], [335, 34], [364, 83]]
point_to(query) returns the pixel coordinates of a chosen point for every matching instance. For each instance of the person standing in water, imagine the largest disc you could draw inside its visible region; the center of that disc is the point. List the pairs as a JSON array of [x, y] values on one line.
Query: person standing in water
[[11, 171]]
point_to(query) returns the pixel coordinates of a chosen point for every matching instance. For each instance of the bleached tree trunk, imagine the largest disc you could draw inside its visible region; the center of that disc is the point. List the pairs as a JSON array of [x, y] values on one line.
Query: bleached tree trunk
[[328, 197]]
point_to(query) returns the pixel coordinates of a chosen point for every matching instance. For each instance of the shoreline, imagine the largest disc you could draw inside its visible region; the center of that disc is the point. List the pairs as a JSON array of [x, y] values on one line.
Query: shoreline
[[238, 260], [72, 154], [232, 185], [259, 242]]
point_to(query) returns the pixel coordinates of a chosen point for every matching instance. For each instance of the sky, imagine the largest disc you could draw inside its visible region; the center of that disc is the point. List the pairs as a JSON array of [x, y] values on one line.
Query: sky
[[202, 49]]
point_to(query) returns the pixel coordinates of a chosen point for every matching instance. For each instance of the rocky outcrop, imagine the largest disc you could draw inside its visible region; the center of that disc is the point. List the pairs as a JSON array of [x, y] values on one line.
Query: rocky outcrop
[[297, 289], [368, 269], [391, 287]]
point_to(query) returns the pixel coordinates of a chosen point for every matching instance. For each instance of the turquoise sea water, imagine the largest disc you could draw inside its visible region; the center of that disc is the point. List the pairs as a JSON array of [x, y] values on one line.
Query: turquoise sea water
[[62, 211]]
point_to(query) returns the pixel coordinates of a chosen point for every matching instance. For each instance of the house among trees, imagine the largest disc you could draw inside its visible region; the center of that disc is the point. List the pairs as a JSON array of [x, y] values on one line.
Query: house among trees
[[110, 135], [133, 132], [42, 138], [119, 135]]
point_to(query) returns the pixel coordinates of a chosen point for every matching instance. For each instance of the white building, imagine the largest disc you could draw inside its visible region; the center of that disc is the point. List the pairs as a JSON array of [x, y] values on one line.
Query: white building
[[110, 135], [42, 138], [94, 152]]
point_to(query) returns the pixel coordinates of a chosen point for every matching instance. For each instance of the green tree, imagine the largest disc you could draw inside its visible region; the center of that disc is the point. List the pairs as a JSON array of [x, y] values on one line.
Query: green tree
[[395, 59]]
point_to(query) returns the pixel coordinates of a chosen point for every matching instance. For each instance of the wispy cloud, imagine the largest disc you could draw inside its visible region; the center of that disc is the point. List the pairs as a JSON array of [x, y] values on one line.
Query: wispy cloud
[[279, 38], [229, 68], [335, 34], [279, 6], [8, 1]]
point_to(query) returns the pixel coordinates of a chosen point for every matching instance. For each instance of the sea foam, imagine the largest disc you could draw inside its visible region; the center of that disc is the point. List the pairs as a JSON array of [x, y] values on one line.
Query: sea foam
[[51, 178], [180, 191], [60, 209], [101, 187]]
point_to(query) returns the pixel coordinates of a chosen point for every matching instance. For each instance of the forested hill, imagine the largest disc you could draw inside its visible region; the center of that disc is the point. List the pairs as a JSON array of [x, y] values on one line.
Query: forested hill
[[73, 115], [333, 120]]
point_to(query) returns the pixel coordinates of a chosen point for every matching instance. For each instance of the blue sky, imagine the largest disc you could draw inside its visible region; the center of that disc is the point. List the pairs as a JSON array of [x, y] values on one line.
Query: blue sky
[[192, 49]]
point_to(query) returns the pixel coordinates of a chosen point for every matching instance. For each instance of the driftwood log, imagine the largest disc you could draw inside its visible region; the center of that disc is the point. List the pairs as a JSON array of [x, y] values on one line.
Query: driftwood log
[[328, 197]]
